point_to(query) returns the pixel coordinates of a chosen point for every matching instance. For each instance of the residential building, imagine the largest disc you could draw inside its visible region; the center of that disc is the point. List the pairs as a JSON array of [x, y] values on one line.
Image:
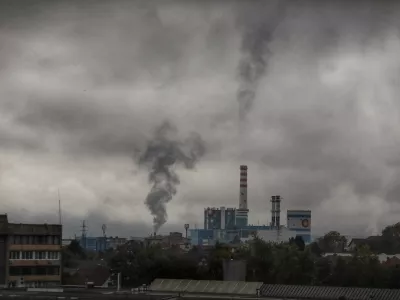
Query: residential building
[[30, 254]]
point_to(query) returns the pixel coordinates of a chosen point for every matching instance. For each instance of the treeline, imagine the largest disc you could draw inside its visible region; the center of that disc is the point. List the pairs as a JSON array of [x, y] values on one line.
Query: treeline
[[284, 263]]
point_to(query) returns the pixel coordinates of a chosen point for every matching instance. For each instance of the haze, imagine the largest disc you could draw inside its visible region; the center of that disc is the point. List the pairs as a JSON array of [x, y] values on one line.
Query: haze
[[84, 85]]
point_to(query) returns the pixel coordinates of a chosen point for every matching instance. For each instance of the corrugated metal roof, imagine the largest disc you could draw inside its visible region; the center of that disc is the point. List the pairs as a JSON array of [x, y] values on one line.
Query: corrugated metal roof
[[205, 286], [327, 292]]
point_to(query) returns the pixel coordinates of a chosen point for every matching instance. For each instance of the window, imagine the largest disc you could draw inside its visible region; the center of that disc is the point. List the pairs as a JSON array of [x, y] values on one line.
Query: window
[[56, 240], [17, 239], [14, 255], [54, 255], [49, 240], [27, 254], [41, 239], [24, 239], [40, 255], [31, 239]]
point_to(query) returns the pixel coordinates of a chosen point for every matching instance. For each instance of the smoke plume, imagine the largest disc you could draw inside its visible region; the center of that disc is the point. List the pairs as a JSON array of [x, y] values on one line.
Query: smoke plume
[[258, 29], [162, 154]]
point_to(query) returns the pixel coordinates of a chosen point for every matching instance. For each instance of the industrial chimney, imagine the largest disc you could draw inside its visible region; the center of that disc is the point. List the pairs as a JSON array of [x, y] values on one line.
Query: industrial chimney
[[243, 188], [243, 211], [276, 211]]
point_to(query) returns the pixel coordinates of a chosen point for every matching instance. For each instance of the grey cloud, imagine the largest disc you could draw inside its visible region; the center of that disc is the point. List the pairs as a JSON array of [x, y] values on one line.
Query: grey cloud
[[88, 83]]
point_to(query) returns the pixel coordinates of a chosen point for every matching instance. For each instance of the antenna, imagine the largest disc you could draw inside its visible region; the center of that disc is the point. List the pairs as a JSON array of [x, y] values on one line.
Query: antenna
[[59, 208]]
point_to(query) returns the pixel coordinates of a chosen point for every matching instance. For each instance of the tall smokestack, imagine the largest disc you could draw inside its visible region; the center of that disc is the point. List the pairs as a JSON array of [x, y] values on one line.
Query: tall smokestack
[[243, 188], [273, 220], [276, 211]]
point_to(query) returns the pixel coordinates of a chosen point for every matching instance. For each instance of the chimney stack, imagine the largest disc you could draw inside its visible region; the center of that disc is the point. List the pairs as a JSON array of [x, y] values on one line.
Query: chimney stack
[[276, 211], [243, 188]]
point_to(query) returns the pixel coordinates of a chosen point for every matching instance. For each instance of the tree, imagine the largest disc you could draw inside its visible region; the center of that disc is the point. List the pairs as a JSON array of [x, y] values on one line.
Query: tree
[[333, 241], [298, 241], [315, 249], [283, 263], [390, 243], [75, 248]]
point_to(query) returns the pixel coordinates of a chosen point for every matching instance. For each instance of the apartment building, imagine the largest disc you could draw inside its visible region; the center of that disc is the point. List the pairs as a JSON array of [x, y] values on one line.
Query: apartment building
[[30, 254]]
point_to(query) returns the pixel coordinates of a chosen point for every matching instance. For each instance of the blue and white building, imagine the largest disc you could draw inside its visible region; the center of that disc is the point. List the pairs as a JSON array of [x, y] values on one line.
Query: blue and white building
[[300, 222]]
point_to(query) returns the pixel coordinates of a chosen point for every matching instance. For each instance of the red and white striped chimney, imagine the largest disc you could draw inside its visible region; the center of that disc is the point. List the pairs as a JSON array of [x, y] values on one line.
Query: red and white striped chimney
[[243, 188]]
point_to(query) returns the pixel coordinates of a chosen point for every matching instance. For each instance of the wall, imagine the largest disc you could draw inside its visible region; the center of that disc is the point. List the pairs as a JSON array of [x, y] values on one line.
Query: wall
[[299, 221], [3, 260], [234, 270], [282, 235]]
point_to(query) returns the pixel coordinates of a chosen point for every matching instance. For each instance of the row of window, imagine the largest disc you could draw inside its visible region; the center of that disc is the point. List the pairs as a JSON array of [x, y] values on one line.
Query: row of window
[[21, 271], [34, 255], [35, 240]]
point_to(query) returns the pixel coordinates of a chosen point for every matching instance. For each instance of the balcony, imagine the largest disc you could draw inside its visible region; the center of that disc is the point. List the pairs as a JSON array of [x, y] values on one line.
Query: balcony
[[34, 262], [29, 247], [36, 278]]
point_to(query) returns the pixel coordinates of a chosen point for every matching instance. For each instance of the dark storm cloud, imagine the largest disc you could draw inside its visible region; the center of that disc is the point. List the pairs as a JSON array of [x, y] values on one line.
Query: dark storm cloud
[[92, 80]]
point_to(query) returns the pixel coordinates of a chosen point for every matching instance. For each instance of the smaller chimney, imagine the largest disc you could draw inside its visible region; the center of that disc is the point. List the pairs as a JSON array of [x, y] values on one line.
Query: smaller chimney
[[155, 234]]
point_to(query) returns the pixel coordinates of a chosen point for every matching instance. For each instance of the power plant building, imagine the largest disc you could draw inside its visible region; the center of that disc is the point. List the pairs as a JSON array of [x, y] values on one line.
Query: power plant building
[[229, 225], [219, 218], [300, 222]]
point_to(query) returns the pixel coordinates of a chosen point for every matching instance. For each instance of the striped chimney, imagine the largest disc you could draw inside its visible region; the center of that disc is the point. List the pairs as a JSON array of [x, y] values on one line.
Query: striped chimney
[[243, 188]]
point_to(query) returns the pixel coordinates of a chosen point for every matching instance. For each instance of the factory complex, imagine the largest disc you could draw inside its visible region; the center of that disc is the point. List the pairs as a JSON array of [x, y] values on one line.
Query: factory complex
[[230, 225]]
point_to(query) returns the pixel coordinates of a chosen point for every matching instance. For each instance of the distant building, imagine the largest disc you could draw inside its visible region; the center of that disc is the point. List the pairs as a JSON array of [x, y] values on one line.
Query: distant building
[[115, 242], [204, 237], [95, 244], [101, 243], [66, 242], [371, 242], [299, 221], [174, 239], [219, 218], [30, 254]]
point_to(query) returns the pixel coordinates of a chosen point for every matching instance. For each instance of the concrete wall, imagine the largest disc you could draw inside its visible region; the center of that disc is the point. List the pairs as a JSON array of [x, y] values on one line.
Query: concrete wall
[[234, 270]]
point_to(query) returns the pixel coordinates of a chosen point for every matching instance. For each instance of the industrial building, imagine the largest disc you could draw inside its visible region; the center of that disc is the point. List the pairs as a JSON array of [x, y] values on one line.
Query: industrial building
[[100, 243], [229, 225], [30, 254]]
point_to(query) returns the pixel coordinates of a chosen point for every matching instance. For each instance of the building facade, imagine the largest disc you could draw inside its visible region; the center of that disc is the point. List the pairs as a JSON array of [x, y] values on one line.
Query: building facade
[[219, 218], [300, 222], [30, 254], [101, 243]]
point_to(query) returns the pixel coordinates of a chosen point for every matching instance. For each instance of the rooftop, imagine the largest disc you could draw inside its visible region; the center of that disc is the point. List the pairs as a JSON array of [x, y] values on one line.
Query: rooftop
[[20, 228]]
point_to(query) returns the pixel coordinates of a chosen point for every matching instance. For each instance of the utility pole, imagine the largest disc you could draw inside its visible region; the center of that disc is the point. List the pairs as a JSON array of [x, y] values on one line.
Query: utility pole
[[104, 246], [59, 208], [118, 282]]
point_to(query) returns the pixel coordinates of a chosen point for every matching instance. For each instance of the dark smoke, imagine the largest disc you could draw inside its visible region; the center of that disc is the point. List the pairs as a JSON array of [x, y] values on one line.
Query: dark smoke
[[162, 154], [258, 23]]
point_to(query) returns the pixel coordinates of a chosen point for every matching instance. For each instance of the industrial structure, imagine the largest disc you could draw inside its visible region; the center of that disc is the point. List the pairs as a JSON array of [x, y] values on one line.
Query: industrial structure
[[231, 224]]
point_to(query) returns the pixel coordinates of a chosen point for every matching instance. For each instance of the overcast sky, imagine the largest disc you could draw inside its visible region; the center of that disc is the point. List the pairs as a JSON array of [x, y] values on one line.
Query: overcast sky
[[84, 84]]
